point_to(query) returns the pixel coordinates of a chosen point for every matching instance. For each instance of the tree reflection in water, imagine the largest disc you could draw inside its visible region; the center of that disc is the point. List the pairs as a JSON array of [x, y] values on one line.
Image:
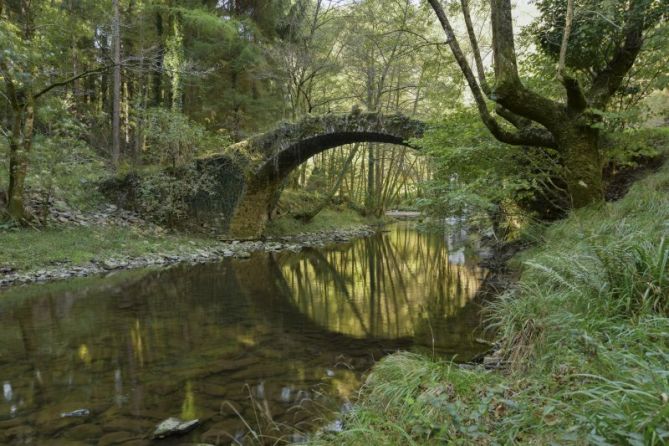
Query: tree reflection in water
[[397, 284]]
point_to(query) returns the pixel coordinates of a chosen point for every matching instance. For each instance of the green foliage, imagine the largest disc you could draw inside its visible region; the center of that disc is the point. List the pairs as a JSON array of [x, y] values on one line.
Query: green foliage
[[476, 176], [594, 301], [63, 165], [597, 33], [480, 179], [628, 148], [172, 139], [409, 399], [294, 202]]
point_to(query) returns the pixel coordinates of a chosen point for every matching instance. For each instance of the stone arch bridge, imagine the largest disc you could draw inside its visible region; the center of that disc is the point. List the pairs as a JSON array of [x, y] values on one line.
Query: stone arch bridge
[[265, 160]]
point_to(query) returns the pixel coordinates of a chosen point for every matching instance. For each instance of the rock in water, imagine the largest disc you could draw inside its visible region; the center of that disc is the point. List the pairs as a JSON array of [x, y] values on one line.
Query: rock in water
[[76, 413], [174, 426]]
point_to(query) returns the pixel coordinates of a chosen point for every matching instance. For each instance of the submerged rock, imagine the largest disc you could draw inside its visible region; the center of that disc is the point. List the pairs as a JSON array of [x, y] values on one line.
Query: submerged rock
[[174, 426], [76, 413]]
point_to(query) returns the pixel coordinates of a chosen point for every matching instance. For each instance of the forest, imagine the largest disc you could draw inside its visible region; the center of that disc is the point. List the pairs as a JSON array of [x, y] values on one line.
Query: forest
[[374, 222]]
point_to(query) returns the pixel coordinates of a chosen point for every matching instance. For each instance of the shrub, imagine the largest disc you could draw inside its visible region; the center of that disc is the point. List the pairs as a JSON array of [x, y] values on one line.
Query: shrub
[[172, 139], [166, 195]]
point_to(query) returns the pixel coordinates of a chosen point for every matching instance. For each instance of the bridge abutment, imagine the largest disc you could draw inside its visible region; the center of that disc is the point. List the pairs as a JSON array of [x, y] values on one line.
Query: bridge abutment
[[251, 214]]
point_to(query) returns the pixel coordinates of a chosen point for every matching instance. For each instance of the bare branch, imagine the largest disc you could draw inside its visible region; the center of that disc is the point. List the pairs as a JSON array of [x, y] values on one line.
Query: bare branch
[[72, 79], [475, 47], [515, 120], [565, 39]]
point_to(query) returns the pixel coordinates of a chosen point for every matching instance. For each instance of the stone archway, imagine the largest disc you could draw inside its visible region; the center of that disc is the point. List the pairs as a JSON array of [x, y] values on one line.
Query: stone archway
[[274, 154]]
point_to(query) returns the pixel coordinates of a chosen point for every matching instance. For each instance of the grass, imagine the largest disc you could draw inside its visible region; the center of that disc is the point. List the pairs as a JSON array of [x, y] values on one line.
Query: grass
[[29, 250], [586, 331]]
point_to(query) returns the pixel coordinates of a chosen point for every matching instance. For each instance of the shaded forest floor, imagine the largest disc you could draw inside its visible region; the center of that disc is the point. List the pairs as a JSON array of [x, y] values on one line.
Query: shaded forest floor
[[583, 345]]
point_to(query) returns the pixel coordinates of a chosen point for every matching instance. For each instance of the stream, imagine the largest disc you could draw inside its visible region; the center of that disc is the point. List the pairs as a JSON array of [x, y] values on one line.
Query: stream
[[275, 345]]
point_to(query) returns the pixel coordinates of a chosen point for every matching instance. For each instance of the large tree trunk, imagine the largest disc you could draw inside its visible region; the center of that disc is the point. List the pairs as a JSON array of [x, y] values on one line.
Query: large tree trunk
[[582, 160], [540, 121], [20, 144]]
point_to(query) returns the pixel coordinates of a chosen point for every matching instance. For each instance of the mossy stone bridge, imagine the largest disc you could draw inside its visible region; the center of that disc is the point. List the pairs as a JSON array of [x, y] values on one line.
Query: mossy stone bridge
[[268, 158]]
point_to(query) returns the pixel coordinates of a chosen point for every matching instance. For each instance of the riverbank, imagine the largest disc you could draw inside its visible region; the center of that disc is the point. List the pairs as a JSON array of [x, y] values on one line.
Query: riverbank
[[583, 344], [79, 247]]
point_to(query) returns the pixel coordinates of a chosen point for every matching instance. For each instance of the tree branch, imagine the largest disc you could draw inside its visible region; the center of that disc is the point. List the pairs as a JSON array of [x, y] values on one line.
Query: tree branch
[[528, 136], [514, 119], [576, 100], [504, 51], [72, 79], [565, 39], [475, 47], [9, 84], [509, 91], [609, 80]]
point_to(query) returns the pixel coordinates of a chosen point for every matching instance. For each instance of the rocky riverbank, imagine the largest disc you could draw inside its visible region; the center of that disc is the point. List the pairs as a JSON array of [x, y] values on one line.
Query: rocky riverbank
[[186, 253]]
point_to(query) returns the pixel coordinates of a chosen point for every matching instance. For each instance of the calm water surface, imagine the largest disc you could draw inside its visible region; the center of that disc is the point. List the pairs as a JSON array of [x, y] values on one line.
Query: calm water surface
[[280, 341]]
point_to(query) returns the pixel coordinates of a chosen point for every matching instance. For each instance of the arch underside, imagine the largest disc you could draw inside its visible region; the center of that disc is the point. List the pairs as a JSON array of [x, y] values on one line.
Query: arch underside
[[279, 166]]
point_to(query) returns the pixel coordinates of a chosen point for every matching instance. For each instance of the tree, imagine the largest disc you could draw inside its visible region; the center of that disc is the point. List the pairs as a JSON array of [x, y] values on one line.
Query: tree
[[568, 124], [308, 55], [116, 101], [26, 80]]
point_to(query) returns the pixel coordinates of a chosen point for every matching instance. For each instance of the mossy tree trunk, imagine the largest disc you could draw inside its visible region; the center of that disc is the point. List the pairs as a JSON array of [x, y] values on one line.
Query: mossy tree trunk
[[22, 92], [20, 145], [579, 146]]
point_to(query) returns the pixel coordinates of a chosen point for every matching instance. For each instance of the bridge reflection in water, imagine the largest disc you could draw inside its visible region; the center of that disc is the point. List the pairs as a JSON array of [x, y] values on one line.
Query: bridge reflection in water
[[279, 337], [398, 284]]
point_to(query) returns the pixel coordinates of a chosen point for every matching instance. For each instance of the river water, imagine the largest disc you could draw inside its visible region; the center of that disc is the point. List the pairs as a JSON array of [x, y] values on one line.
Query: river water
[[276, 344]]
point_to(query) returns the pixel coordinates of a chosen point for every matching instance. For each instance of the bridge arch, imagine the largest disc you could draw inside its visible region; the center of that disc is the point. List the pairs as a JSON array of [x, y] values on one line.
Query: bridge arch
[[279, 151]]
